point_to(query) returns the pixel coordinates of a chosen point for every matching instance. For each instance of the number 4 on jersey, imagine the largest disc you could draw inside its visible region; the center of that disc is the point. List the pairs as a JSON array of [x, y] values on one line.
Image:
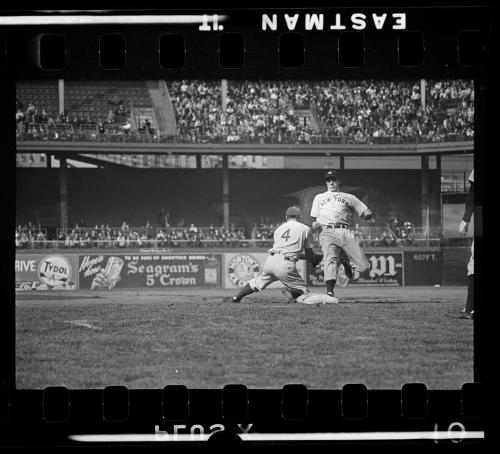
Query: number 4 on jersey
[[286, 235]]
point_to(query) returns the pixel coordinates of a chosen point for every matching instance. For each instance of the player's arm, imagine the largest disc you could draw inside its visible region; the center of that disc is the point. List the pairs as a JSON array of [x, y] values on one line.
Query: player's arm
[[367, 215], [315, 225], [314, 214], [469, 210], [363, 211], [313, 258]]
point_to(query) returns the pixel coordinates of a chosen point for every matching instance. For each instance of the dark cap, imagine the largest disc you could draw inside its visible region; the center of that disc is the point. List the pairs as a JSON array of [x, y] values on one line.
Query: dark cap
[[331, 174], [293, 211]]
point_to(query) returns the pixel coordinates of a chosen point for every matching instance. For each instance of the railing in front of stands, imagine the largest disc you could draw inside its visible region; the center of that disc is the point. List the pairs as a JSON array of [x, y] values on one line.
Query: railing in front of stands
[[115, 133], [149, 232], [362, 232], [175, 244]]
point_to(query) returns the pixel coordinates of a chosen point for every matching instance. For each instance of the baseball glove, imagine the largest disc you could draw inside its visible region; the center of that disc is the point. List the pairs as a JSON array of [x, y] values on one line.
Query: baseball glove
[[313, 258]]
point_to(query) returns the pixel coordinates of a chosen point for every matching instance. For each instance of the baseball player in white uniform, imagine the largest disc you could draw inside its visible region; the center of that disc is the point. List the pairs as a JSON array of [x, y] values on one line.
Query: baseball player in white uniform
[[290, 240], [332, 214], [468, 310]]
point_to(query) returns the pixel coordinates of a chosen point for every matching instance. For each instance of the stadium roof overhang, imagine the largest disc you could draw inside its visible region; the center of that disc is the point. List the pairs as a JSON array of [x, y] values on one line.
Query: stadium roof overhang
[[72, 148]]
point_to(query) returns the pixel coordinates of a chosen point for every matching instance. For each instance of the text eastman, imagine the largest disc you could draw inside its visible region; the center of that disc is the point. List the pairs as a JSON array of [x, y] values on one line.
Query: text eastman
[[356, 21]]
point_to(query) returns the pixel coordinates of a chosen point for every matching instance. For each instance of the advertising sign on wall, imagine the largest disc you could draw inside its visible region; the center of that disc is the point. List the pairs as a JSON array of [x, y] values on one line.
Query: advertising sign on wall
[[149, 271], [386, 270], [45, 272], [239, 268]]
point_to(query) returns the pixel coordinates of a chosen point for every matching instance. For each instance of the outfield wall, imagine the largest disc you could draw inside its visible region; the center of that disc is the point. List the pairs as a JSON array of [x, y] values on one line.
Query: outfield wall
[[228, 269]]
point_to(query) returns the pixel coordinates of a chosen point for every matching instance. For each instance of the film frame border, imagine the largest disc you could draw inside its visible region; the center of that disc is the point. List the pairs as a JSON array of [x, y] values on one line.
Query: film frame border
[[200, 61]]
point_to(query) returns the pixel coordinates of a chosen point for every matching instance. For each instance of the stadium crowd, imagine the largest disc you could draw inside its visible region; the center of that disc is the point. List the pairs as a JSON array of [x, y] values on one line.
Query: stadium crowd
[[34, 123], [295, 112], [29, 236], [357, 111]]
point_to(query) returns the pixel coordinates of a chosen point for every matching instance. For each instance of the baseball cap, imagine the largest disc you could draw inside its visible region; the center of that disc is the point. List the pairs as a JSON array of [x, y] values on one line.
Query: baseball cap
[[331, 174], [293, 211]]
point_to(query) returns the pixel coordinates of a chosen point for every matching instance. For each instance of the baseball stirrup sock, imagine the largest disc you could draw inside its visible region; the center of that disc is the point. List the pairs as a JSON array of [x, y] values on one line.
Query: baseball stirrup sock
[[469, 305], [329, 285]]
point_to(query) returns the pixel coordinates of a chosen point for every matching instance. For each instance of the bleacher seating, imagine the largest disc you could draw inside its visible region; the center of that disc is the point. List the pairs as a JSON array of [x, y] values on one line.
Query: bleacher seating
[[84, 99], [42, 94], [345, 111]]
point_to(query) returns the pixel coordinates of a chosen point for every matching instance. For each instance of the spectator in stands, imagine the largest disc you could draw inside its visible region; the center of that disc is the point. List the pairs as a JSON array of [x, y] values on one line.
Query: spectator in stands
[[75, 122], [102, 239], [388, 239], [406, 238], [161, 238], [110, 119], [100, 126], [121, 241], [69, 240], [125, 228], [142, 239], [24, 240], [121, 111], [40, 239], [30, 110], [127, 127], [20, 117], [148, 231]]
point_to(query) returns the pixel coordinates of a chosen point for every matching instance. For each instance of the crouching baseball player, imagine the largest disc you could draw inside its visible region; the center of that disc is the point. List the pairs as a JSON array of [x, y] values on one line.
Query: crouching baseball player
[[332, 214], [290, 240]]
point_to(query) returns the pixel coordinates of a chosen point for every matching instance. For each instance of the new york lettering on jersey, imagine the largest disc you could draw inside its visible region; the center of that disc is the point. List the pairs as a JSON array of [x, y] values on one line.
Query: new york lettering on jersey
[[330, 207], [290, 238]]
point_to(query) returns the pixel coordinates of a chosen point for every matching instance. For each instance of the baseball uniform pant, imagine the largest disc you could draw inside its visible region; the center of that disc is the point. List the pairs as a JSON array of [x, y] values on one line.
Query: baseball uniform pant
[[276, 268], [470, 265], [332, 242]]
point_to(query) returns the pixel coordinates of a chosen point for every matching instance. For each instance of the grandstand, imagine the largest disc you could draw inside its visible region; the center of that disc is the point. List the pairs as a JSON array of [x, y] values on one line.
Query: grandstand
[[289, 112]]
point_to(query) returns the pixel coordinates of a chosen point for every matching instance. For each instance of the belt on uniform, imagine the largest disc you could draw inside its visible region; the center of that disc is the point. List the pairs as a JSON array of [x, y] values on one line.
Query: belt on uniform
[[284, 256], [337, 225]]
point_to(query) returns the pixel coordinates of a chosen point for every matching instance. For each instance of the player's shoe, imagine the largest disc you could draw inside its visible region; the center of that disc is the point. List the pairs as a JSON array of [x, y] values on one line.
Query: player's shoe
[[288, 295], [330, 294], [230, 299], [466, 314]]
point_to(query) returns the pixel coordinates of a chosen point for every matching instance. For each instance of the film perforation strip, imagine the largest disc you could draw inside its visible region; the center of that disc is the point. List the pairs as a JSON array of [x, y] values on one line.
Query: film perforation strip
[[297, 403], [291, 52]]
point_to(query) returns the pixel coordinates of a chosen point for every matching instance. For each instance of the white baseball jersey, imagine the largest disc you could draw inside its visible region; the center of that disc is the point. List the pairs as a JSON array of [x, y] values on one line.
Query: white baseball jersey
[[329, 207], [290, 239]]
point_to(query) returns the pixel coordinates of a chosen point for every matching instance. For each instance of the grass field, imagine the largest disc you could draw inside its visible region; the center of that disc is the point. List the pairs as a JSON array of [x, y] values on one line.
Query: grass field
[[382, 337]]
